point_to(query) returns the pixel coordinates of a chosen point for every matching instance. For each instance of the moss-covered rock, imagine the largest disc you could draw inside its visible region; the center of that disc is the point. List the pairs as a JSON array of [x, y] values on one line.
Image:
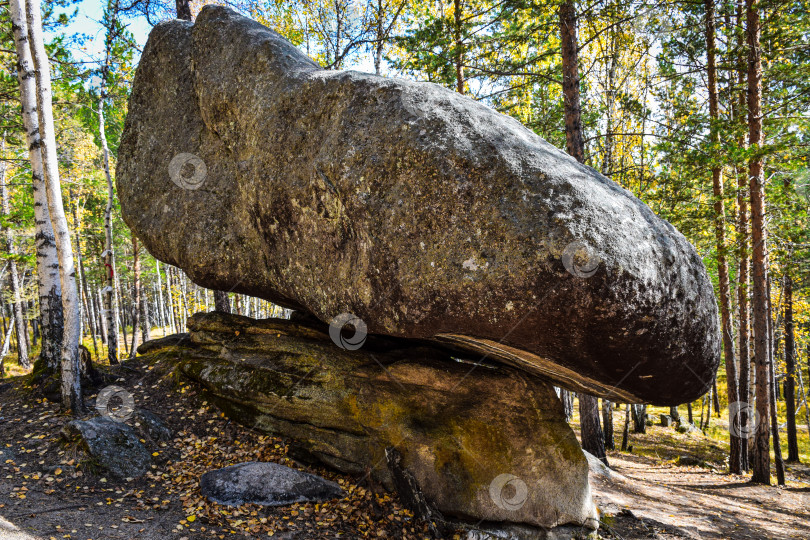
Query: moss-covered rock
[[483, 442]]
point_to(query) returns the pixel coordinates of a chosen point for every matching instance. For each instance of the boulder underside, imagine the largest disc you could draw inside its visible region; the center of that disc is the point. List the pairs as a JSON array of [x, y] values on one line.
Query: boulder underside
[[483, 442]]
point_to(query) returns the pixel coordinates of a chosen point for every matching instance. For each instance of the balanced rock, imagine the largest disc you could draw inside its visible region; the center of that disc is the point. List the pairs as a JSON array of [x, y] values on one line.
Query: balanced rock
[[482, 442], [422, 212]]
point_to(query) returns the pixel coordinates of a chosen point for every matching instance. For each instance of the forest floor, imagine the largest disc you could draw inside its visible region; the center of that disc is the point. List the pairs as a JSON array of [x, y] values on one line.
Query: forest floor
[[46, 491]]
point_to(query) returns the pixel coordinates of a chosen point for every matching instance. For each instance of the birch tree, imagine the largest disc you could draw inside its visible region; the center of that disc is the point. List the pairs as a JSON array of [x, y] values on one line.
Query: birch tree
[[49, 283], [71, 389], [14, 278]]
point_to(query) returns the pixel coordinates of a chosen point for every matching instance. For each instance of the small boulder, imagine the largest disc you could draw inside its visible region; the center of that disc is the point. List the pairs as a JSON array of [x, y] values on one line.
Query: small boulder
[[268, 484], [666, 420], [690, 461], [686, 427], [114, 446], [151, 426]]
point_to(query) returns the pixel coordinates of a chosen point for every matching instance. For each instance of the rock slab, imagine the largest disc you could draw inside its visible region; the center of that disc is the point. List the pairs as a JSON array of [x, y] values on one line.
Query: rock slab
[[422, 212], [114, 446], [482, 442], [267, 484]]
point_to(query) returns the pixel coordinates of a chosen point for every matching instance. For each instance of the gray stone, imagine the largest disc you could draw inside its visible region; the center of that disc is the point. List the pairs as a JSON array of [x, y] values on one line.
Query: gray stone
[[690, 461], [423, 212], [151, 426], [113, 446], [268, 484], [686, 427], [665, 420]]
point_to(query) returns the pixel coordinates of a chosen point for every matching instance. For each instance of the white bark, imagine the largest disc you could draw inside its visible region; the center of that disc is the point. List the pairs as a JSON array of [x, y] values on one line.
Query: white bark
[[6, 344], [49, 285], [71, 389], [14, 278], [159, 295], [110, 305]]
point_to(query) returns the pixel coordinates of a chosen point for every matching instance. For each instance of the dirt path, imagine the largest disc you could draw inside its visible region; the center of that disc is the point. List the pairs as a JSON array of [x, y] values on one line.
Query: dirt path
[[703, 503]]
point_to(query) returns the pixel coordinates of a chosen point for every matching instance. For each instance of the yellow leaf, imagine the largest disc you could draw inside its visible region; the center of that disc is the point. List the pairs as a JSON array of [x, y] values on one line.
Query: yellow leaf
[[191, 518]]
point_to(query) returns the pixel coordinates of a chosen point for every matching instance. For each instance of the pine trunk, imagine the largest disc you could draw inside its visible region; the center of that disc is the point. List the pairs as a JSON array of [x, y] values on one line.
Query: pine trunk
[[626, 430], [607, 424], [762, 459], [744, 338], [590, 431], [573, 110], [183, 10], [458, 46], [221, 302], [790, 376], [777, 446], [736, 443]]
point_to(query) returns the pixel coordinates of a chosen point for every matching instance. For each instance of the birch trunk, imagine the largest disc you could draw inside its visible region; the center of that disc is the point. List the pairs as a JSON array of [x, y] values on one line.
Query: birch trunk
[[71, 384], [172, 321], [164, 321], [136, 294], [110, 307], [6, 346], [14, 278], [49, 283]]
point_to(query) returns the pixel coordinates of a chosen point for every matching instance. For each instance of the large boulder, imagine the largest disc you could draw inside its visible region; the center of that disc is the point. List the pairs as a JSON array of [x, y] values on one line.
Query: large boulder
[[493, 446], [424, 213]]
